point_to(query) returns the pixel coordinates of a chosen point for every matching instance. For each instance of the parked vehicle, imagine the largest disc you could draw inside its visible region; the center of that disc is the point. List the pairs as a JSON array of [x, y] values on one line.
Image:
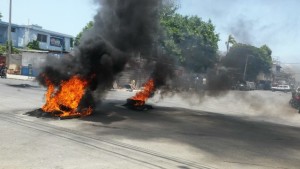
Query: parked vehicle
[[284, 88], [243, 87], [250, 85]]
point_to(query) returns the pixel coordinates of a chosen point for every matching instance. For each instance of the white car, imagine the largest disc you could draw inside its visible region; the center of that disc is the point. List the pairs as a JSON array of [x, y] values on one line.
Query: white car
[[284, 88]]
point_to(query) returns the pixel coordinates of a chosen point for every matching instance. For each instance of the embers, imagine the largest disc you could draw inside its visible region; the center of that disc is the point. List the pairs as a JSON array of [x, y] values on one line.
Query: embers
[[137, 105], [39, 113], [137, 102]]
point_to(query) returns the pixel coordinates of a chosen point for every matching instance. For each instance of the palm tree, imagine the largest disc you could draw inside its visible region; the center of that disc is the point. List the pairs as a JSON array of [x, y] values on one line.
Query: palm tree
[[231, 41]]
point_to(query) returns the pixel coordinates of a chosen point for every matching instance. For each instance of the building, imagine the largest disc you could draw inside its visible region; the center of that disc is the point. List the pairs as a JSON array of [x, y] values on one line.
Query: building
[[51, 44], [282, 74], [51, 41]]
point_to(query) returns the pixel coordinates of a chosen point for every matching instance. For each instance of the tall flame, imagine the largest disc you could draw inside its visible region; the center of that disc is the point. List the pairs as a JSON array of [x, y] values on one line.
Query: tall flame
[[142, 96], [66, 98]]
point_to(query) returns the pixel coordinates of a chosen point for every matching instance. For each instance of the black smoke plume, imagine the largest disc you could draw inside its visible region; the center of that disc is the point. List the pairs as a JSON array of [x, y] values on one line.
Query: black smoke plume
[[121, 29], [163, 71]]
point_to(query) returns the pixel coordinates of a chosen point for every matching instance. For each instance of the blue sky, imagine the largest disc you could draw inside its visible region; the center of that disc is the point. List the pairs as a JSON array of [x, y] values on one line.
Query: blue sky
[[257, 22], [64, 16]]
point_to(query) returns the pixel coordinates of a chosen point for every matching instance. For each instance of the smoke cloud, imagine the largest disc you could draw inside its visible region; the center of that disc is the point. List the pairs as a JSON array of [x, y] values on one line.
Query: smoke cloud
[[121, 30], [242, 30]]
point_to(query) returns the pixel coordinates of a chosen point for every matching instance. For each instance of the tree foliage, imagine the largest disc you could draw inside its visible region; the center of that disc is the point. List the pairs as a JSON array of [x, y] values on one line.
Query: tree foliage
[[0, 15], [259, 60], [266, 57], [34, 45], [4, 49], [231, 41], [192, 41], [79, 35]]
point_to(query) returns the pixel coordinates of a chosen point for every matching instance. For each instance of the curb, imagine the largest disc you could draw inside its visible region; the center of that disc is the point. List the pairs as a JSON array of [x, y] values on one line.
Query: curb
[[20, 77]]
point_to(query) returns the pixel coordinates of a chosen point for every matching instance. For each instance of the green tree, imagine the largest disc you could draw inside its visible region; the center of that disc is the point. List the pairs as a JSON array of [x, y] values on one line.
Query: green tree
[[258, 60], [79, 35], [13, 49], [266, 58], [34, 45], [192, 41], [2, 50], [231, 41]]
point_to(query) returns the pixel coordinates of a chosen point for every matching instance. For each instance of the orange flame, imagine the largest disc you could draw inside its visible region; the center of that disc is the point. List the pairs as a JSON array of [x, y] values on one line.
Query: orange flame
[[142, 96], [66, 98]]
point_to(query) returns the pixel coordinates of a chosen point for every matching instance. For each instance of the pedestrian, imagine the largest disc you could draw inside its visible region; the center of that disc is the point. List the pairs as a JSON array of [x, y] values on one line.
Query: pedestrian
[[132, 84]]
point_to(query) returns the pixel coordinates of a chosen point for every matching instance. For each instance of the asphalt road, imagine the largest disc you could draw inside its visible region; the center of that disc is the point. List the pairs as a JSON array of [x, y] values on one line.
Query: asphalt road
[[254, 129]]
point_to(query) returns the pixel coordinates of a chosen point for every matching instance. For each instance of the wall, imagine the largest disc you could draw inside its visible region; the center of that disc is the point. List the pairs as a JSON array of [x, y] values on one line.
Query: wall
[[35, 59], [15, 64], [31, 34], [15, 35], [3, 34], [263, 76]]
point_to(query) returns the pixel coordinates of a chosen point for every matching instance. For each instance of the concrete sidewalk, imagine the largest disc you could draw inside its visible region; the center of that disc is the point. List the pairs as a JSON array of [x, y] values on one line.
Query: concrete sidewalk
[[32, 79], [20, 77]]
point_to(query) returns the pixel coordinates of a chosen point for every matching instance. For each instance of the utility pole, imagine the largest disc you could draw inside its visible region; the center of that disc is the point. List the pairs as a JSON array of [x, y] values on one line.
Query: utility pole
[[9, 35], [245, 69]]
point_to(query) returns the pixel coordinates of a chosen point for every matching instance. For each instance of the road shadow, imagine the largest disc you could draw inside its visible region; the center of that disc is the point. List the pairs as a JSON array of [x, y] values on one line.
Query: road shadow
[[22, 86]]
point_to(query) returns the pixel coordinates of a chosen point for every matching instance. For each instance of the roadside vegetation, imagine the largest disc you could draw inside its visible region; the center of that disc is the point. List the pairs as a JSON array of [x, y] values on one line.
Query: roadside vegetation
[[4, 49]]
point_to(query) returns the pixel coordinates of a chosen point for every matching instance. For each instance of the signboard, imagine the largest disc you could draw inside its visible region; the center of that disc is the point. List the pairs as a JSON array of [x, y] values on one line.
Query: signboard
[[54, 41]]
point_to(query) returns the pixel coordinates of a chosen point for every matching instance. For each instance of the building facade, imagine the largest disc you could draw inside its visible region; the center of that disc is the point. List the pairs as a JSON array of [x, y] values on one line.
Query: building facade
[[51, 41], [29, 62]]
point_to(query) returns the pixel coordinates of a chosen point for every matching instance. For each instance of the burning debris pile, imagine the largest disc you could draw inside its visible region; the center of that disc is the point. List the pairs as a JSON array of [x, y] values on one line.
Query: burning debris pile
[[121, 29], [64, 101], [138, 101], [161, 72]]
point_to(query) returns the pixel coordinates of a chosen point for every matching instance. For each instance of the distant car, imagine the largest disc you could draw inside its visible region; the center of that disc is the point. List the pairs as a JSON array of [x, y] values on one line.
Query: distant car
[[241, 86], [283, 88], [250, 85]]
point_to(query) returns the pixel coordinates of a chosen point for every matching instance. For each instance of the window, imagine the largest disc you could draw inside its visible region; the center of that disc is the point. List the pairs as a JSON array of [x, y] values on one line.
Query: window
[[13, 29], [42, 38], [56, 41], [71, 42]]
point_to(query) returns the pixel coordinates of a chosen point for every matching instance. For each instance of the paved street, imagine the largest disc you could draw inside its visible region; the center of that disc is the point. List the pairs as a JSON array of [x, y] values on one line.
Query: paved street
[[255, 129]]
